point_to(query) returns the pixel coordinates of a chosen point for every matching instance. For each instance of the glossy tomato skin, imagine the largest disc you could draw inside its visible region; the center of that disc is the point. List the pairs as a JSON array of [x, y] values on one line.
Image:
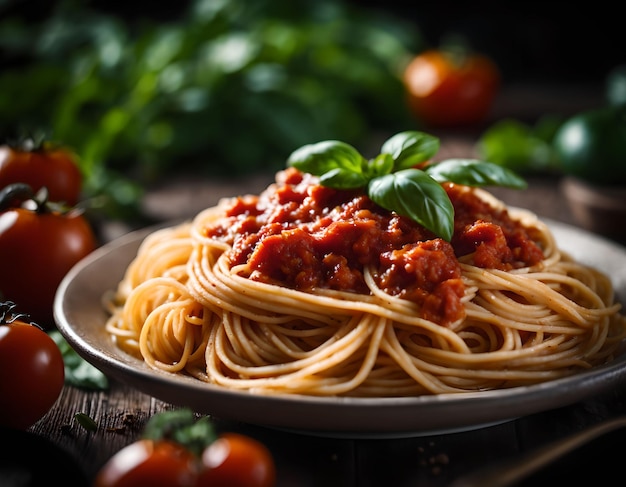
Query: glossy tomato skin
[[31, 374], [36, 251], [148, 463], [235, 460], [52, 167], [445, 90]]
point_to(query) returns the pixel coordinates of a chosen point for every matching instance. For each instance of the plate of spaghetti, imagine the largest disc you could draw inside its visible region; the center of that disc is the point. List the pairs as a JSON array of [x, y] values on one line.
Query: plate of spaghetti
[[328, 304]]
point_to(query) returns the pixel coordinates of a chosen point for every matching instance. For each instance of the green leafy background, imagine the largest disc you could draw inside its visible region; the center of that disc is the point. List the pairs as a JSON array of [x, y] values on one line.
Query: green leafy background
[[229, 87]]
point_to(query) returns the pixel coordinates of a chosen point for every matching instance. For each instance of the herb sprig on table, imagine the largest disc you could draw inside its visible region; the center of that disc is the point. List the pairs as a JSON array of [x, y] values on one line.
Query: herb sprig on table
[[402, 178]]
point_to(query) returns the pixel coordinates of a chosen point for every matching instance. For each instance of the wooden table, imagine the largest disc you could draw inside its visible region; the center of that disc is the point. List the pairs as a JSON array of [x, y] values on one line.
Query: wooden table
[[304, 460]]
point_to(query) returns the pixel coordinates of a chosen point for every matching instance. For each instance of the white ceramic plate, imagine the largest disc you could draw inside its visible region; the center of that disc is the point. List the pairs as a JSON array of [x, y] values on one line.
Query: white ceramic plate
[[80, 318]]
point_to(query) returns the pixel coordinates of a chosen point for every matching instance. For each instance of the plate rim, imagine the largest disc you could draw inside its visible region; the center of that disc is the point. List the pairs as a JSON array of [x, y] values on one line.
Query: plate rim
[[333, 415]]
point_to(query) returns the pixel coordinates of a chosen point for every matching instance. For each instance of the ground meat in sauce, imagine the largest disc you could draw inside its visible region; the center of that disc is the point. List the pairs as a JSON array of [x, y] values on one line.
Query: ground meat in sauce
[[496, 240], [305, 236]]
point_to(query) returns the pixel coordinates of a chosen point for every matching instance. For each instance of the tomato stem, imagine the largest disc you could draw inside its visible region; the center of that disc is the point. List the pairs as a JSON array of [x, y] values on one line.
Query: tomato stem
[[182, 427], [8, 315], [15, 193], [29, 142]]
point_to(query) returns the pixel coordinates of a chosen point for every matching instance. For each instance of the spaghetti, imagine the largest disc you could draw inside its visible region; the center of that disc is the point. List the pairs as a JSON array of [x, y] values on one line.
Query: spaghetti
[[307, 290]]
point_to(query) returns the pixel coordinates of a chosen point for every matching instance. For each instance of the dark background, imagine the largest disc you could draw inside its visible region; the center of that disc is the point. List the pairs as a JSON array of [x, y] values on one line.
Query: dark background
[[531, 41], [553, 42]]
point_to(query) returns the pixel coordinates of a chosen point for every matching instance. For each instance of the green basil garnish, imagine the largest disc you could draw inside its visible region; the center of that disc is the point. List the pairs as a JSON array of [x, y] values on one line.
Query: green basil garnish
[[472, 172], [393, 181], [415, 194]]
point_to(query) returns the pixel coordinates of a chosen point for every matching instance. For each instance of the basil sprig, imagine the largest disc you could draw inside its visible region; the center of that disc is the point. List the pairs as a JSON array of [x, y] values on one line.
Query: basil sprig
[[392, 180]]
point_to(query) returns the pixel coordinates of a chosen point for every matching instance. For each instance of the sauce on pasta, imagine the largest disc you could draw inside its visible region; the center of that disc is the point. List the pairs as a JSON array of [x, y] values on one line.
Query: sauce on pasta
[[304, 289], [306, 236]]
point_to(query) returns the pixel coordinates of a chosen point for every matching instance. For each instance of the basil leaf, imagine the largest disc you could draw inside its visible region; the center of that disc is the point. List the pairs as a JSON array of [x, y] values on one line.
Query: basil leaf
[[414, 194], [379, 166], [472, 172], [340, 178], [411, 148], [393, 180], [325, 156]]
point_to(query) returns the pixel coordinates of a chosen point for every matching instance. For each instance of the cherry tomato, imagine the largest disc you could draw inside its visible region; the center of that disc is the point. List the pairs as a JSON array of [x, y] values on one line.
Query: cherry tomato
[[37, 249], [236, 460], [148, 463], [46, 165], [179, 450], [449, 88], [31, 373]]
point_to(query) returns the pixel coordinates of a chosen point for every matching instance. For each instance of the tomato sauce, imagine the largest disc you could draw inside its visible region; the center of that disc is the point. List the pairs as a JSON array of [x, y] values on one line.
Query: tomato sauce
[[305, 236]]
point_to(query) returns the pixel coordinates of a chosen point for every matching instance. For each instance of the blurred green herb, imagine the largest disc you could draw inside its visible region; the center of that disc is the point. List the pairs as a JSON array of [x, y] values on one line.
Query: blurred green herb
[[229, 87], [88, 423], [545, 148], [78, 372], [181, 426], [521, 146]]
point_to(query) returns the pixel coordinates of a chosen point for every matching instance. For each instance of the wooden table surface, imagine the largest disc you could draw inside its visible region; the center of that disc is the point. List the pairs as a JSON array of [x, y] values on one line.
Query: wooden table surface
[[306, 460]]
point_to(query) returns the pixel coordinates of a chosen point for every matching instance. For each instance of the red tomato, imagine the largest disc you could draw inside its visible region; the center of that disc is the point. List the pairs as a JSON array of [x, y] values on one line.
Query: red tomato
[[148, 463], [235, 460], [448, 89], [179, 450], [31, 374], [37, 249], [50, 166]]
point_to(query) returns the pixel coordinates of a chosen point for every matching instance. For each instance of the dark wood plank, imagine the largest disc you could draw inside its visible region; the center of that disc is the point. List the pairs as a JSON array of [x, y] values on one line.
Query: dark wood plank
[[432, 461], [122, 412]]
